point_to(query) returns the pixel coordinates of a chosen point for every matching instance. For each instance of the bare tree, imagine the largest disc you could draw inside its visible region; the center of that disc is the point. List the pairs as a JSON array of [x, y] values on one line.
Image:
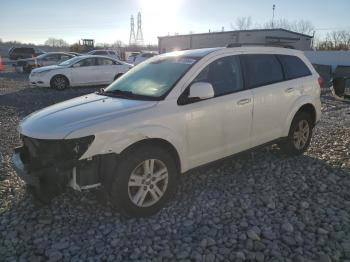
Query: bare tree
[[243, 23], [301, 26], [54, 42], [335, 40]]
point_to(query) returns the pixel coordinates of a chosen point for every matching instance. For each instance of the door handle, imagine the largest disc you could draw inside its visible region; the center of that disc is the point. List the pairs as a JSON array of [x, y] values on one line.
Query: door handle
[[289, 90], [244, 101]]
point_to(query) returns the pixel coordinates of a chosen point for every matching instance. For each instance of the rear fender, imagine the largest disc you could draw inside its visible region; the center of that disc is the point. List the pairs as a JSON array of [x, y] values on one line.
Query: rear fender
[[295, 108]]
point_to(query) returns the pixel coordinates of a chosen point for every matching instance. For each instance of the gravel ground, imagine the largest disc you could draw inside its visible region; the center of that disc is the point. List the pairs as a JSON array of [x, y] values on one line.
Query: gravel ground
[[259, 206]]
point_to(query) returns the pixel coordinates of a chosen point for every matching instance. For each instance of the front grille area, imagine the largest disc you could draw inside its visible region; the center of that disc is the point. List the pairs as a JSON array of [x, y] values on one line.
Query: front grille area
[[42, 153]]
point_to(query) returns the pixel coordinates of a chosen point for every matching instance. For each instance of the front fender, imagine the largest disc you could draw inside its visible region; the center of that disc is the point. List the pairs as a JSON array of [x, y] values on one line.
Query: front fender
[[295, 108], [112, 142]]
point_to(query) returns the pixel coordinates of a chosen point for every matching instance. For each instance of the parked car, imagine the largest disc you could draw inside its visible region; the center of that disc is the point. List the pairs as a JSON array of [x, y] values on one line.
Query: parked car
[[79, 71], [168, 115], [75, 53], [108, 53], [144, 56], [24, 52], [132, 57], [52, 58]]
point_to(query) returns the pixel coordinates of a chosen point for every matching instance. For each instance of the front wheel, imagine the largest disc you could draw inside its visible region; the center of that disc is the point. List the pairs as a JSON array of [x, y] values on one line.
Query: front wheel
[[145, 180], [59, 82], [299, 136]]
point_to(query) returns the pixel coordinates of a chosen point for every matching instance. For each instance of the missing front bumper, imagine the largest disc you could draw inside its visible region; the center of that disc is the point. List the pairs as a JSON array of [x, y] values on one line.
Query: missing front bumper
[[22, 172], [80, 175]]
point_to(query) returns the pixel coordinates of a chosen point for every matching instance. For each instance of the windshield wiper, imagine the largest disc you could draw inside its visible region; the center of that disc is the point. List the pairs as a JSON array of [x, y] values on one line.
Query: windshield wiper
[[117, 93], [126, 94]]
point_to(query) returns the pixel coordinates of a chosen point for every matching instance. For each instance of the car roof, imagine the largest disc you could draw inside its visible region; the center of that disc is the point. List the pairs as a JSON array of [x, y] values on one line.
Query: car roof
[[96, 56], [59, 53], [239, 49], [105, 50]]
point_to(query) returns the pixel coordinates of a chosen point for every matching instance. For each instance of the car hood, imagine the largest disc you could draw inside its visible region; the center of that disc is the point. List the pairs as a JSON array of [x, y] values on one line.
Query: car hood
[[59, 120], [46, 68]]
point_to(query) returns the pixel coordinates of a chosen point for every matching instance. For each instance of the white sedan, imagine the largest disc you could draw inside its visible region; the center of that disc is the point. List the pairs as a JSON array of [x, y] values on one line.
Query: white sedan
[[79, 71]]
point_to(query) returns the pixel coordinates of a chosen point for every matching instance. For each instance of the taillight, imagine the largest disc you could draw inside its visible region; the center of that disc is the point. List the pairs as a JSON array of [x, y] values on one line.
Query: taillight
[[320, 81]]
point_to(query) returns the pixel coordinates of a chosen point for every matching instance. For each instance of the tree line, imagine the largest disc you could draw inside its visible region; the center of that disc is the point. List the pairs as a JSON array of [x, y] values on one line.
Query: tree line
[[334, 40]]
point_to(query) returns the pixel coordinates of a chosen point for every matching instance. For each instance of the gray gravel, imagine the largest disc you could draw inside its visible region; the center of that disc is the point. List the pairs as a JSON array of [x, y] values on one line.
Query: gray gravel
[[259, 206]]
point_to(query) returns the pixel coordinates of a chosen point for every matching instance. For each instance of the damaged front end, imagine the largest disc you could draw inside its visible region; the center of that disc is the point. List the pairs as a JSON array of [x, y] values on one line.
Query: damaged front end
[[50, 165]]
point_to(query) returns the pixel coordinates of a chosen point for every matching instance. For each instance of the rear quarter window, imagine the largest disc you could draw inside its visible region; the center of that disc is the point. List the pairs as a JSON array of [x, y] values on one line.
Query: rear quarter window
[[261, 69], [293, 67]]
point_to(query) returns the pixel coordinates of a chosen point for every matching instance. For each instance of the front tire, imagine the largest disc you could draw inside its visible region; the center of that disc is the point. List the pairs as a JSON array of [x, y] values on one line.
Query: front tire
[[59, 82], [145, 180], [299, 136]]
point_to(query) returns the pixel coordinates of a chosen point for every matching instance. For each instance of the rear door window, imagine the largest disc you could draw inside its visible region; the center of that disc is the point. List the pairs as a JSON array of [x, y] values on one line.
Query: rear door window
[[53, 57], [87, 62], [104, 61], [223, 74], [261, 69], [293, 67]]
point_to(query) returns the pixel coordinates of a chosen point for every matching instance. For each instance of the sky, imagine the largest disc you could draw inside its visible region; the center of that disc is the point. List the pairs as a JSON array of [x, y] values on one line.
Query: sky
[[106, 21]]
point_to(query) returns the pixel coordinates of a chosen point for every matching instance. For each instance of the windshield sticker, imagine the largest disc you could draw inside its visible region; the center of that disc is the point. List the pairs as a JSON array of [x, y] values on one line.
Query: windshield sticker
[[187, 61]]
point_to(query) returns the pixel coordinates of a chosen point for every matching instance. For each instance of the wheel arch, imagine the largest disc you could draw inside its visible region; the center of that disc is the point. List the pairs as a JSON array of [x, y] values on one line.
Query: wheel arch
[[117, 76], [154, 142], [302, 105]]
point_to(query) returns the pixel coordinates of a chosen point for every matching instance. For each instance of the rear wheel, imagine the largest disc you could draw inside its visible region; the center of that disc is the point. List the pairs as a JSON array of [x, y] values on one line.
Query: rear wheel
[[59, 82], [299, 136], [145, 180]]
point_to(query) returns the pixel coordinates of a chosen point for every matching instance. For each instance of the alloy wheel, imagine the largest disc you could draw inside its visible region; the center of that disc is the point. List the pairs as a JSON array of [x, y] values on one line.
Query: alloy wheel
[[59, 83], [301, 134], [148, 183]]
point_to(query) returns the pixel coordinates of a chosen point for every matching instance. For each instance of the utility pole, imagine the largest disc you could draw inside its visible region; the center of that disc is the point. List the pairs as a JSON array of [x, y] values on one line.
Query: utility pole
[[132, 39], [273, 15]]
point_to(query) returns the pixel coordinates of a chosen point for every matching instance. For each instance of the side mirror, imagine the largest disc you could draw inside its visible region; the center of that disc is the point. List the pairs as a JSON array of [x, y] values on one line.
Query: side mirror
[[201, 90], [76, 65]]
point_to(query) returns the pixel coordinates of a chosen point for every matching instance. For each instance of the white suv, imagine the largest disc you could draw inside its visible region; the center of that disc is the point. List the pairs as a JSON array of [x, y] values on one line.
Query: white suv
[[170, 114]]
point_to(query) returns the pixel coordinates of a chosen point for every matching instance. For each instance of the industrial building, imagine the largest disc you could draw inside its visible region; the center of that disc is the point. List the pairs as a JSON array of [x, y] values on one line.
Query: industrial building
[[275, 37]]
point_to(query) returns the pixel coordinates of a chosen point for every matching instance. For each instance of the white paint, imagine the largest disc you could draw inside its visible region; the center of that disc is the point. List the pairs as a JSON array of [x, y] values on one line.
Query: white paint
[[201, 132]]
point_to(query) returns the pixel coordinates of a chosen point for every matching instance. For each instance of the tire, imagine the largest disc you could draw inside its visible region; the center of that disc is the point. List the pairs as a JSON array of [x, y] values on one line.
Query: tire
[[59, 82], [298, 141], [134, 192]]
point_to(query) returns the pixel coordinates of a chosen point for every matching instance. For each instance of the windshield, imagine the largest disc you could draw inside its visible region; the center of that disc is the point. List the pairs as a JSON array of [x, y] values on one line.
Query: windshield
[[70, 61], [153, 78]]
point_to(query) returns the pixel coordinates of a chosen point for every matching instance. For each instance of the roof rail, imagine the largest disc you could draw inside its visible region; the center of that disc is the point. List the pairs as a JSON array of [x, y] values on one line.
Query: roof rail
[[257, 44]]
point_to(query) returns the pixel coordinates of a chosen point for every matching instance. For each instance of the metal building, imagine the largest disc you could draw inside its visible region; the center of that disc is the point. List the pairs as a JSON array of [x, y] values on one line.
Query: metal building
[[278, 37]]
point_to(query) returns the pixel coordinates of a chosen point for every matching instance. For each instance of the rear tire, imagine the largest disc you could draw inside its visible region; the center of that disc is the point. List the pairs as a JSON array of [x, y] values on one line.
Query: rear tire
[[145, 180], [299, 136], [59, 82]]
